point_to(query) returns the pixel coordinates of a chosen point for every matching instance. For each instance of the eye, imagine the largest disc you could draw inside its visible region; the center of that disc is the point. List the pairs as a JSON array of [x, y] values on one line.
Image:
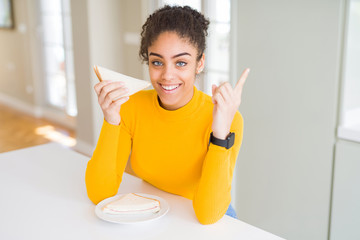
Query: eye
[[181, 64], [156, 63]]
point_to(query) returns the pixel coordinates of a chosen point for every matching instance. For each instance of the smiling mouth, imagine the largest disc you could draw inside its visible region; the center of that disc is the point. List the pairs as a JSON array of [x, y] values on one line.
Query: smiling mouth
[[170, 87]]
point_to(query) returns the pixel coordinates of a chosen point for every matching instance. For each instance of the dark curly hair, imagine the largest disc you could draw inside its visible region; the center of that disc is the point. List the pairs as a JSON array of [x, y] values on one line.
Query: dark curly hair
[[185, 21]]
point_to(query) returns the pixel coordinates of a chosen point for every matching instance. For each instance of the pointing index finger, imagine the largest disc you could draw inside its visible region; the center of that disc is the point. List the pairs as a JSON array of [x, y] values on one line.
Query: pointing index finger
[[242, 79]]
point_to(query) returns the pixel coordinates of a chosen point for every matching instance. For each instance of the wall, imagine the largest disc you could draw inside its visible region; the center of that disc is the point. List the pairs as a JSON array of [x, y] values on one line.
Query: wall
[[85, 122], [99, 30], [345, 215], [105, 45], [131, 15], [289, 106], [16, 81]]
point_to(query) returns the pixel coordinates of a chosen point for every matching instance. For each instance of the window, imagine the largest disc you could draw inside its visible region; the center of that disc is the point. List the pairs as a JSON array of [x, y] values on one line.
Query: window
[[195, 4], [218, 49], [58, 55], [350, 110]]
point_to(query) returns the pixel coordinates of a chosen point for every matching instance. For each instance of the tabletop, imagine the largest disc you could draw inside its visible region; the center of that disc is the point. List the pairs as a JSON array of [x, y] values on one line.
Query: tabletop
[[43, 196]]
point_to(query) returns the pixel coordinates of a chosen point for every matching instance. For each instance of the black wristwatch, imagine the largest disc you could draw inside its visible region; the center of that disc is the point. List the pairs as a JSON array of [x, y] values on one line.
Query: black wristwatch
[[227, 143]]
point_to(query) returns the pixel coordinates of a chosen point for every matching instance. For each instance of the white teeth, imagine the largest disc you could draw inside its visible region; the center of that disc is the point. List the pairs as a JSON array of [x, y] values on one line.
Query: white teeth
[[171, 87]]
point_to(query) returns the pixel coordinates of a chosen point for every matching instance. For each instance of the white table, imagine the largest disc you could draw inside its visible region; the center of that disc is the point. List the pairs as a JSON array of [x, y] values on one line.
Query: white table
[[43, 196]]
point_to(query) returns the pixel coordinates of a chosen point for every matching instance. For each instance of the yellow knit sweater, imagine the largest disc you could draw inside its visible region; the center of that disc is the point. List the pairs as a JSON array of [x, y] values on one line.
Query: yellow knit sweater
[[170, 150]]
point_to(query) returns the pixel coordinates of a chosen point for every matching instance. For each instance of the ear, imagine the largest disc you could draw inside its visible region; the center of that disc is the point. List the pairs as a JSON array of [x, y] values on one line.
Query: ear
[[200, 64]]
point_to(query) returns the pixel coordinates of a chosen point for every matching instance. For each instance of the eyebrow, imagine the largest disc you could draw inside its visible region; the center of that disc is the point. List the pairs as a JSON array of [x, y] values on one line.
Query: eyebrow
[[177, 55]]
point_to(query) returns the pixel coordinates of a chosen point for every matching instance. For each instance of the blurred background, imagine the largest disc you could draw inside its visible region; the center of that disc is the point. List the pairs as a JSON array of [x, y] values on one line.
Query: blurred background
[[298, 170]]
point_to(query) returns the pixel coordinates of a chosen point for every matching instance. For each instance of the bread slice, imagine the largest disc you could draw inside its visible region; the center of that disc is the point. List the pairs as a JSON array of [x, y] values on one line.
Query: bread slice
[[134, 85], [132, 203]]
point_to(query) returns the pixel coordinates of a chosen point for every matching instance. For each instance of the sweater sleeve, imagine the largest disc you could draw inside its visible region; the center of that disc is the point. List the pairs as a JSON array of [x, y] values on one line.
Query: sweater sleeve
[[213, 194], [106, 167]]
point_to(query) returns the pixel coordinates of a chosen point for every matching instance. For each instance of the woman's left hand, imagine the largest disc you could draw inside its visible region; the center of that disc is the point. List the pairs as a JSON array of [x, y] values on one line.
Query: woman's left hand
[[226, 102]]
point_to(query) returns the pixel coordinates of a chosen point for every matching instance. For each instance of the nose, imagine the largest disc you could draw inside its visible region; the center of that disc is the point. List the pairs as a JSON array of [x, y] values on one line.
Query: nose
[[168, 73]]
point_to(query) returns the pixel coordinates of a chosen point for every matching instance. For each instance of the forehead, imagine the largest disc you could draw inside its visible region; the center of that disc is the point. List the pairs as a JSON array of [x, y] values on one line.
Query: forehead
[[170, 43]]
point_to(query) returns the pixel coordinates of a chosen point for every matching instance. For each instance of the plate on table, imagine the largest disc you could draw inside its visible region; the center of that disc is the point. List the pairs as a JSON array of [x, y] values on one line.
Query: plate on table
[[133, 218]]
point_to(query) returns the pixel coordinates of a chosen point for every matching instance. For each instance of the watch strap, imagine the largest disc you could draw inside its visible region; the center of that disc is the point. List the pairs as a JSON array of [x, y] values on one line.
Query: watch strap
[[226, 143]]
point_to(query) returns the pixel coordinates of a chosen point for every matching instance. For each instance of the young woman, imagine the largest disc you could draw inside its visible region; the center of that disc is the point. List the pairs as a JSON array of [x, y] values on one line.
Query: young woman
[[178, 139]]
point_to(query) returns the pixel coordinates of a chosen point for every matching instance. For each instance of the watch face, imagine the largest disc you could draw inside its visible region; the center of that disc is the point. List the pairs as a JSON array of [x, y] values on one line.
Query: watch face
[[231, 140]]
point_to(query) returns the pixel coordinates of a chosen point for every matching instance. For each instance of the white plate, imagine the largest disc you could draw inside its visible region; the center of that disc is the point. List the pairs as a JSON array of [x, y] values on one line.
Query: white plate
[[164, 208]]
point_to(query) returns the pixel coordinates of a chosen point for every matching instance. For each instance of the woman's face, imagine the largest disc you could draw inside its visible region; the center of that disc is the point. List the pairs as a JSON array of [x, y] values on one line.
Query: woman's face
[[173, 67]]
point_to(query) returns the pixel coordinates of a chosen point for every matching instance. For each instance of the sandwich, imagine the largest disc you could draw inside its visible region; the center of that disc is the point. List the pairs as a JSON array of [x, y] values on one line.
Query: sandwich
[[134, 85], [132, 203]]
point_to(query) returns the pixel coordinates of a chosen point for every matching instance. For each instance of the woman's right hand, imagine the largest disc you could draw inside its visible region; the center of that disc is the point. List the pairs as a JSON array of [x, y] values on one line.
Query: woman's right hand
[[111, 95]]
